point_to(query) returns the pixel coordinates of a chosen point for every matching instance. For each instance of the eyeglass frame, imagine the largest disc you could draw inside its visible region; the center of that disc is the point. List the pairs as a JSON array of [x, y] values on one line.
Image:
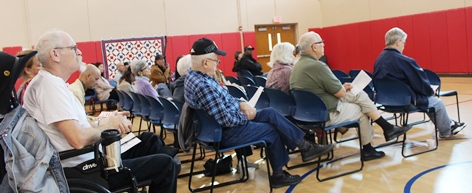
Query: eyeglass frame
[[74, 47], [216, 61], [319, 42]]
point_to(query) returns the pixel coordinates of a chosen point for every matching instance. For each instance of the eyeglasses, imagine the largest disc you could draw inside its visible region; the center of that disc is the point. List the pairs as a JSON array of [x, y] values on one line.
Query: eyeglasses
[[216, 61], [320, 42], [145, 68], [74, 47]]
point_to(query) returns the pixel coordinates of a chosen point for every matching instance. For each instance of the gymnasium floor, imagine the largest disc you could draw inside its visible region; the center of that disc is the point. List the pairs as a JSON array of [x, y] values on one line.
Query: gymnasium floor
[[445, 170]]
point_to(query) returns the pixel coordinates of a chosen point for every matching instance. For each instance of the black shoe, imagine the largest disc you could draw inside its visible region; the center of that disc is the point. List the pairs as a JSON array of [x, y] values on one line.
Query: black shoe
[[457, 127], [373, 155], [285, 179], [314, 150], [395, 132]]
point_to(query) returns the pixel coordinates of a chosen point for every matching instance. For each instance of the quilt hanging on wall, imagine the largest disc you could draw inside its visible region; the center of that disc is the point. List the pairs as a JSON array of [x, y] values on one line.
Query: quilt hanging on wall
[[127, 50]]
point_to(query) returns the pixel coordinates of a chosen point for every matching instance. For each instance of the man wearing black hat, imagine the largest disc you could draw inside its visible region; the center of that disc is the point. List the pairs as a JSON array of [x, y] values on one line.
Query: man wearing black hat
[[248, 63], [63, 118], [241, 122], [22, 136]]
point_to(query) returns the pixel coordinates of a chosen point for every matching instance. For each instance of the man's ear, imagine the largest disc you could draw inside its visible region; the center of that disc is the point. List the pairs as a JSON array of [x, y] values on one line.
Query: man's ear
[[54, 54]]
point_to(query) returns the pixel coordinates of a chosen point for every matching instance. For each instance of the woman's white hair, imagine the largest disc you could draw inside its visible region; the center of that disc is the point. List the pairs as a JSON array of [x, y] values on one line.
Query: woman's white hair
[[393, 35], [184, 64], [282, 53]]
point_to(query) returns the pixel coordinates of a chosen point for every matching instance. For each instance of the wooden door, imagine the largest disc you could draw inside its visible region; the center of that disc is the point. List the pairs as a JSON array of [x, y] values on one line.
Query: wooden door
[[267, 36]]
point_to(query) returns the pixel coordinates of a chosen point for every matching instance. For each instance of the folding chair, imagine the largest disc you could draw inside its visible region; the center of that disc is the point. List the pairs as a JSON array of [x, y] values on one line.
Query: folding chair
[[311, 113], [246, 81], [280, 101], [435, 80], [157, 114], [245, 73], [396, 97], [260, 80], [208, 133]]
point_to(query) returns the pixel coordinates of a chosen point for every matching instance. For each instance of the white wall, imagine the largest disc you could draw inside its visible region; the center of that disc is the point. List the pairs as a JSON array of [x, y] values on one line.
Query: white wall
[[92, 20]]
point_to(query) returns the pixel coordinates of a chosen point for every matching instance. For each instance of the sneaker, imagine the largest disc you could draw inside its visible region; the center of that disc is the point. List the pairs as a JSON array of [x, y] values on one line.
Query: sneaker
[[314, 150], [457, 127], [395, 132], [285, 179]]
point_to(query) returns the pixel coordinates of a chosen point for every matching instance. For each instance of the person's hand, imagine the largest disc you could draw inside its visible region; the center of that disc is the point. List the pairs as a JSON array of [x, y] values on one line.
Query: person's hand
[[118, 122], [347, 86], [124, 113], [249, 111]]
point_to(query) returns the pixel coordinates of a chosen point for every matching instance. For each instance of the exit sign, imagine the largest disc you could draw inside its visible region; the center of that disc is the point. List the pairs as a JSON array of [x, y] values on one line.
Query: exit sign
[[277, 19]]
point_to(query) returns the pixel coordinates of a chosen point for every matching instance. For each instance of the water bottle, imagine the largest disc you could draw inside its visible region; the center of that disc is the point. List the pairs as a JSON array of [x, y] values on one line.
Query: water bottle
[[111, 147]]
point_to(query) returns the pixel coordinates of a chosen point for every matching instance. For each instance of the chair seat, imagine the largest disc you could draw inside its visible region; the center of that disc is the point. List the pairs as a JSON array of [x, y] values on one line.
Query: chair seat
[[448, 93]]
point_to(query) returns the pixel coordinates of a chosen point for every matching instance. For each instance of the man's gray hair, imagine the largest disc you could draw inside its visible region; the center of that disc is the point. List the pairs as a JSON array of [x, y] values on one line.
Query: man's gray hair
[[47, 42], [198, 59], [393, 35], [306, 41]]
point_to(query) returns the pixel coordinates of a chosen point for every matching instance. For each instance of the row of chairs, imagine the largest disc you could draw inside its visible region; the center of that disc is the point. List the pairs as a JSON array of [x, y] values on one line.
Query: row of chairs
[[243, 80]]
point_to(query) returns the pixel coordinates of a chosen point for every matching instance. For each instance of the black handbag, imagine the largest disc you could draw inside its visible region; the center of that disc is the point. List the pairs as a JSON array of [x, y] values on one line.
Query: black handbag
[[223, 165]]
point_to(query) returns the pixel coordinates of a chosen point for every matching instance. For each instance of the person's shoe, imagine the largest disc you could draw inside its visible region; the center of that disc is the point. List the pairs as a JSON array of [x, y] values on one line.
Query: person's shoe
[[447, 137], [285, 179], [311, 151], [373, 155], [457, 127], [395, 132]]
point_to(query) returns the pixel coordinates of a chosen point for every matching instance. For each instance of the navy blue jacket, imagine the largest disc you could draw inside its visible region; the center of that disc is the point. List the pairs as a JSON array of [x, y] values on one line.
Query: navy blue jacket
[[394, 65]]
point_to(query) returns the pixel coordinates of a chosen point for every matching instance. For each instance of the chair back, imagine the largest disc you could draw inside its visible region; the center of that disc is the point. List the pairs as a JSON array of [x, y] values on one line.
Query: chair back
[[245, 73], [136, 103], [280, 101], [393, 93], [233, 79], [128, 102], [145, 105], [263, 101], [113, 83], [157, 110], [433, 79], [246, 81], [121, 98], [236, 92], [207, 128], [172, 113], [339, 74], [260, 81], [309, 107]]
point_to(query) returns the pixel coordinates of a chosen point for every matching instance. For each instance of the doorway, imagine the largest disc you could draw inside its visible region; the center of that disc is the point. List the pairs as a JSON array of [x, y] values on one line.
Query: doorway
[[268, 35]]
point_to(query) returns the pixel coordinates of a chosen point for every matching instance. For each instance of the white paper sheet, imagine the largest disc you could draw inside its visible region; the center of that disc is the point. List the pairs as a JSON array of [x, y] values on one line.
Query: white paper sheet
[[435, 87], [360, 82], [128, 142], [252, 102]]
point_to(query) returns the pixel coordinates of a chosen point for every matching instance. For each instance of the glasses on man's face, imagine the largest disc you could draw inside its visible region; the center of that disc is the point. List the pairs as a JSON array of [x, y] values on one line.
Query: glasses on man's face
[[216, 61], [74, 47]]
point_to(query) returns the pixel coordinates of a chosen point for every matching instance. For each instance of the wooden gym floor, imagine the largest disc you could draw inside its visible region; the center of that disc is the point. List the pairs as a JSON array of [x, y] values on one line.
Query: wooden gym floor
[[444, 170]]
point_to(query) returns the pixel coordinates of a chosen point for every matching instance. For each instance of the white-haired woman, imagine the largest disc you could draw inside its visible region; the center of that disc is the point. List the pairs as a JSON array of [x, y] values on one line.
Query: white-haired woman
[[281, 60]]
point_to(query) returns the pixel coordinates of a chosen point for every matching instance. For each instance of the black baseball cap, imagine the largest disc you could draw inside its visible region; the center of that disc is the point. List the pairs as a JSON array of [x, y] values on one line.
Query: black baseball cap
[[205, 46], [248, 48], [10, 69]]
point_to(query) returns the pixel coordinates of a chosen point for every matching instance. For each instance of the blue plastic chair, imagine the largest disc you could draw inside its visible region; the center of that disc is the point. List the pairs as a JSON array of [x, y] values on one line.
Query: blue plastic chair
[[113, 83], [397, 97], [263, 101], [121, 104], [246, 81], [236, 92], [311, 113], [260, 81], [339, 74], [208, 133], [145, 112], [171, 118], [157, 114], [233, 79], [280, 101], [435, 80], [245, 73]]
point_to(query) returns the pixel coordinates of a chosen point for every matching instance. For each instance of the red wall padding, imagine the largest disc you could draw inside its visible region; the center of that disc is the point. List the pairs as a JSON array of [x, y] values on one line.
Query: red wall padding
[[440, 41], [13, 50]]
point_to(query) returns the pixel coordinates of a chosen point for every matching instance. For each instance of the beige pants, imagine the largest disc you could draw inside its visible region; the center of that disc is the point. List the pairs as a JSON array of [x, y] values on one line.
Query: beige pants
[[352, 108]]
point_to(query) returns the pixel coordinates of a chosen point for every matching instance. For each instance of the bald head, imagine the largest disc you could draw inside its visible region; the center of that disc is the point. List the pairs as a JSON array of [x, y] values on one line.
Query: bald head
[[90, 76], [311, 43]]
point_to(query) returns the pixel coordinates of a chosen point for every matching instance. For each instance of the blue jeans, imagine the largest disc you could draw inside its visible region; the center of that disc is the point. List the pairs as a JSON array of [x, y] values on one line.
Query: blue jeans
[[442, 119], [274, 129]]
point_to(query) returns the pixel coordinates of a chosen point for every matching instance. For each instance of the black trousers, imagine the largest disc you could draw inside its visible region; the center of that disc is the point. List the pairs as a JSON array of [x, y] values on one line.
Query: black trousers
[[150, 160]]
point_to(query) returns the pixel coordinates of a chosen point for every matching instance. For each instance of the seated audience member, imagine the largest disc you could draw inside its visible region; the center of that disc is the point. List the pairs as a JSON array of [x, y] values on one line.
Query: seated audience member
[[160, 71], [237, 57], [103, 88], [183, 65], [176, 73], [87, 79], [126, 81], [248, 63], [63, 119], [120, 69], [31, 69], [142, 85], [281, 60], [241, 122], [311, 75], [392, 64]]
